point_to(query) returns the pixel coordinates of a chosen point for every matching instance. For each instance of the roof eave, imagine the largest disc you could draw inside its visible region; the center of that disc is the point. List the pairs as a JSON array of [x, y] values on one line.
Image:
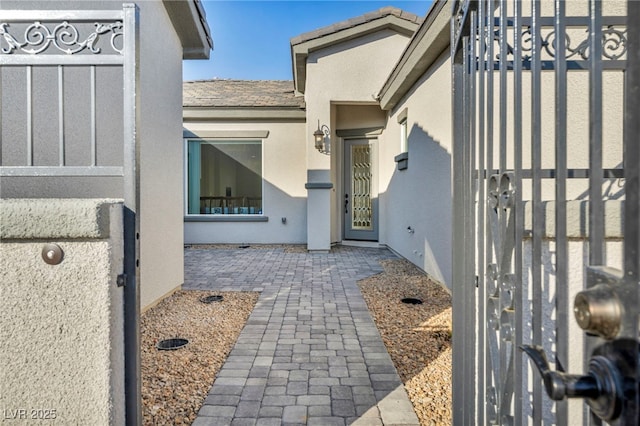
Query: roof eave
[[428, 43], [300, 51], [189, 20]]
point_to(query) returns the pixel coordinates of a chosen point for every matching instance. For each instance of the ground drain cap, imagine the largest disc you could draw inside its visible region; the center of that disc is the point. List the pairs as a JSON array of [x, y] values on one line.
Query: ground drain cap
[[211, 299], [171, 344], [411, 301]]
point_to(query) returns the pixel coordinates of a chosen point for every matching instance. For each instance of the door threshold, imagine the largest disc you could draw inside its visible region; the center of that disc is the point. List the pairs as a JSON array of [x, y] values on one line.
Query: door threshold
[[366, 244]]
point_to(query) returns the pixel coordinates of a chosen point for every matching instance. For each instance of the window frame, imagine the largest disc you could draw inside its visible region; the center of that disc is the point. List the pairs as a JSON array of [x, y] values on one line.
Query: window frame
[[402, 159], [216, 217], [404, 137], [403, 121]]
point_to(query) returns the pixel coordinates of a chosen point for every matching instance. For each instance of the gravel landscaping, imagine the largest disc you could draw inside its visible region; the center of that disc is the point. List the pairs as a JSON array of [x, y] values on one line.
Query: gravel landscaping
[[176, 382], [417, 336]]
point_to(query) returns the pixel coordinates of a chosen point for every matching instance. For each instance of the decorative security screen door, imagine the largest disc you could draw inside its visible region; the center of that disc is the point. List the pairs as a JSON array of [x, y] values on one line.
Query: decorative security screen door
[[545, 284], [361, 197]]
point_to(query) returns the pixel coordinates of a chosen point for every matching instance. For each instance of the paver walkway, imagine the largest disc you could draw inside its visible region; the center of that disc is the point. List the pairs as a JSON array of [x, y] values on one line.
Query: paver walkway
[[310, 352]]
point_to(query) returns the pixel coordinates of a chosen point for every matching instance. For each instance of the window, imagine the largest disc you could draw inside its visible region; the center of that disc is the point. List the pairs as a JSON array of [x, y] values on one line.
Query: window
[[404, 143], [224, 177], [404, 134], [403, 158]]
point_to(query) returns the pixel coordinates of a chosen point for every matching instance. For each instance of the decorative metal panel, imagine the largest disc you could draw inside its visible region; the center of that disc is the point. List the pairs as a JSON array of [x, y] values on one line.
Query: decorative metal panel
[[49, 55], [37, 38], [517, 171], [61, 67], [361, 211]]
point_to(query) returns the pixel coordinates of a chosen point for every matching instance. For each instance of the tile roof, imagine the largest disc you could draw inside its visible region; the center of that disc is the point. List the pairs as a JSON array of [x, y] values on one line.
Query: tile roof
[[219, 93], [353, 22]]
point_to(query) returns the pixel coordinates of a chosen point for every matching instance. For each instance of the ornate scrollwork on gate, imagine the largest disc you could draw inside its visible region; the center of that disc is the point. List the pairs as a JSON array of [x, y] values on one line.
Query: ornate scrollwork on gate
[[459, 17], [501, 285], [65, 37], [614, 44]]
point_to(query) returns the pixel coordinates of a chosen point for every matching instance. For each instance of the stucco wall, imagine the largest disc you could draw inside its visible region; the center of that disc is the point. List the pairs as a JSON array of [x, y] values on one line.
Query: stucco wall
[[159, 131], [284, 194], [62, 355], [349, 72], [419, 197]]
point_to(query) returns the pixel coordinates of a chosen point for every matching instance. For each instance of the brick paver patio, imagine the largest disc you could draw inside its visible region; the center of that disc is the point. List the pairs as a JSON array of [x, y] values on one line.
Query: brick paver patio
[[310, 352]]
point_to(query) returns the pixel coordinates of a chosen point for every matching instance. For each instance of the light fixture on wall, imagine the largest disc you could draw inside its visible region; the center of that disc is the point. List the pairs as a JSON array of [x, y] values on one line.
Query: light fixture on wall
[[320, 136]]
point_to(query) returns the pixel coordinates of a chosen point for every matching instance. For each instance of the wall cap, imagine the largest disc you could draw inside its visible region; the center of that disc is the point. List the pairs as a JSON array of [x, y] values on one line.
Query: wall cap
[[577, 219], [30, 219]]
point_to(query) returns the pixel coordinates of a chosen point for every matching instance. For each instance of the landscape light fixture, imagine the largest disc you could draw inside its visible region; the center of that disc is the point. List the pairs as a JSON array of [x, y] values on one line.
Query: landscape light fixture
[[319, 136]]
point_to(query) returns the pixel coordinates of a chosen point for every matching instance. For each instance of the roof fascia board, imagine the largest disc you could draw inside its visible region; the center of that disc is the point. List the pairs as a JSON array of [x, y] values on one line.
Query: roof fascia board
[[241, 114], [300, 52], [431, 39], [225, 134], [187, 16]]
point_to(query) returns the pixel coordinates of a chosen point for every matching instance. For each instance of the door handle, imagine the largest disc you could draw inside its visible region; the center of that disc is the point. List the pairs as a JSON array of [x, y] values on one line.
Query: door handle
[[346, 203], [601, 386]]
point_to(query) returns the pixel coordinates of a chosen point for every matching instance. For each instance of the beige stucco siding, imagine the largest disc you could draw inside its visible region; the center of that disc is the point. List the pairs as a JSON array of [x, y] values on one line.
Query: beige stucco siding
[[160, 133], [284, 194], [419, 197], [62, 355], [350, 72]]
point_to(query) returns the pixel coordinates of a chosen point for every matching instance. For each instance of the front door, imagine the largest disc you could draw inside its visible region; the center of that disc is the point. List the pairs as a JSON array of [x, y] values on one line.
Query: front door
[[360, 203]]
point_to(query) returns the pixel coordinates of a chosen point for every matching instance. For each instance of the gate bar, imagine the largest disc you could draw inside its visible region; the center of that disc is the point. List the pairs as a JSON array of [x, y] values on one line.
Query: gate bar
[[536, 161], [596, 204], [503, 85], [632, 146], [519, 292], [492, 361], [458, 300], [507, 350], [133, 388], [632, 184], [483, 365], [468, 228], [471, 101], [562, 259]]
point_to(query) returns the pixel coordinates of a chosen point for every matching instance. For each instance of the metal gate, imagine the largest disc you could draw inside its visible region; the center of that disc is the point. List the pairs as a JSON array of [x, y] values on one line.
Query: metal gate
[[68, 91], [547, 216]]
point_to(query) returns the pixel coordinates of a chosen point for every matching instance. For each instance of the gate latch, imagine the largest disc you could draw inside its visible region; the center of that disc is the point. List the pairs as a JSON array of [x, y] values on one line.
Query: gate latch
[[602, 385], [598, 309]]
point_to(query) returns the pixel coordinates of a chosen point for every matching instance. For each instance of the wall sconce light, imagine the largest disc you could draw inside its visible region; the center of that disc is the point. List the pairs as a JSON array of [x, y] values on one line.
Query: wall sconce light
[[320, 136]]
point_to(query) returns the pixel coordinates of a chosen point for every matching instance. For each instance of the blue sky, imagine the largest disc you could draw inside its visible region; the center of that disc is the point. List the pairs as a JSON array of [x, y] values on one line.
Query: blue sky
[[251, 38]]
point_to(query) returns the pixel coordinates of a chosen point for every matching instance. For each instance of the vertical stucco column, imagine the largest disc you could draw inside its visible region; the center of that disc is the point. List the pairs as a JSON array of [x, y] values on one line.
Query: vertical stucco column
[[318, 215], [62, 352], [319, 186]]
